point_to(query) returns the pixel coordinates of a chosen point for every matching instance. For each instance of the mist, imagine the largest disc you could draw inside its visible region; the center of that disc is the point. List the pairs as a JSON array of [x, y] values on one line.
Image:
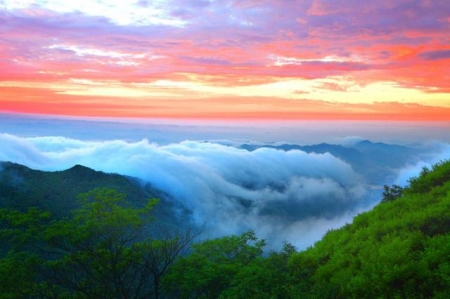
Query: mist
[[174, 131], [291, 195]]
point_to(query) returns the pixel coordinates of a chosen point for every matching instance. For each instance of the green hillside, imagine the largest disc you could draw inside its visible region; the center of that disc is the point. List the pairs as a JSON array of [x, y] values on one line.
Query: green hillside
[[81, 233], [57, 191], [400, 249]]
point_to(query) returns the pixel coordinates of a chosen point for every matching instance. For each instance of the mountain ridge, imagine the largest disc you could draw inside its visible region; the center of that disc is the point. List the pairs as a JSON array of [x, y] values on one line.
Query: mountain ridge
[[56, 191], [377, 161]]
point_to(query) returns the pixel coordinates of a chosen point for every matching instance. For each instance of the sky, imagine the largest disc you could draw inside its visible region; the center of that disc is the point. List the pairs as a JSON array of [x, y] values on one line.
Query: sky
[[227, 60]]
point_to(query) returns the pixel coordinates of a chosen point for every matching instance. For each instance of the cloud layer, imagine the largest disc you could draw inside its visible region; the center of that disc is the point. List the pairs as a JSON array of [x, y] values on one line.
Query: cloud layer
[[282, 195], [279, 194]]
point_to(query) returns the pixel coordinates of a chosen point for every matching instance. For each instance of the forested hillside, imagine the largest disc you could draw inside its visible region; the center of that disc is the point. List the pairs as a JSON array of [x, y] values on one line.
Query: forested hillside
[[57, 191], [400, 249], [104, 249], [81, 233]]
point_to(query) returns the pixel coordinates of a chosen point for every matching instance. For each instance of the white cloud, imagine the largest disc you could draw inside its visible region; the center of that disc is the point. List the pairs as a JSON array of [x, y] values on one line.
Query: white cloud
[[122, 13], [282, 60], [441, 154], [231, 190], [84, 51]]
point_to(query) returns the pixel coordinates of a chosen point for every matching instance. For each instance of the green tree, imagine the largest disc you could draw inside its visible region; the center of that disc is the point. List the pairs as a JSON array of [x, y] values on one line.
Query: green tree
[[391, 193], [212, 266], [265, 277], [157, 255], [105, 250], [19, 260], [96, 244]]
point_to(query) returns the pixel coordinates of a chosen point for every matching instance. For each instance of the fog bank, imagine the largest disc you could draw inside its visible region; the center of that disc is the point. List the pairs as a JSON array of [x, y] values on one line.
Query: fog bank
[[288, 195]]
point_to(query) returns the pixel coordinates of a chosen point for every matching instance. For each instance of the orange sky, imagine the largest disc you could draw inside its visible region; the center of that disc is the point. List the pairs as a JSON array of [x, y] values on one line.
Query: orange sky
[[249, 59]]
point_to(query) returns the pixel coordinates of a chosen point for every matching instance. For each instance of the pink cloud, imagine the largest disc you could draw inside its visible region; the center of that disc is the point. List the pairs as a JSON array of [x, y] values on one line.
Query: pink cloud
[[435, 55], [233, 43]]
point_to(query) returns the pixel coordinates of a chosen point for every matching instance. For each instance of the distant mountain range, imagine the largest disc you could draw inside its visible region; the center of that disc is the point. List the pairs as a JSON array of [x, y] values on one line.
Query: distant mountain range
[[377, 162]]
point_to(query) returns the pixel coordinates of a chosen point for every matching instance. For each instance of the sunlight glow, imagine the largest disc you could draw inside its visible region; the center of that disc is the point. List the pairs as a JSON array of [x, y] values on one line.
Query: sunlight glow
[[227, 59]]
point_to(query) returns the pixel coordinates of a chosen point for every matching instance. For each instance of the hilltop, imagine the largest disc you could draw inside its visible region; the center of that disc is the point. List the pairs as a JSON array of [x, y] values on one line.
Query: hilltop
[[57, 191]]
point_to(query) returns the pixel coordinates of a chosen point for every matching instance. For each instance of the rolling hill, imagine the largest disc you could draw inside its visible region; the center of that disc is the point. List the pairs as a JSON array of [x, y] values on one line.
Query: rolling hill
[[57, 191]]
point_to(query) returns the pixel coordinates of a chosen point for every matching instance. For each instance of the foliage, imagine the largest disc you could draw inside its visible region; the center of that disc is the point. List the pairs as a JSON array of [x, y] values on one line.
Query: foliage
[[265, 277], [212, 266], [57, 191], [437, 179], [103, 251], [391, 193], [400, 249]]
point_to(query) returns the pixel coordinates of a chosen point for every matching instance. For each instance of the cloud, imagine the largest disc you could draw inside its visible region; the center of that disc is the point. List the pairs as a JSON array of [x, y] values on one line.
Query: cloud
[[435, 55], [276, 193], [117, 12], [439, 152], [350, 141], [207, 60]]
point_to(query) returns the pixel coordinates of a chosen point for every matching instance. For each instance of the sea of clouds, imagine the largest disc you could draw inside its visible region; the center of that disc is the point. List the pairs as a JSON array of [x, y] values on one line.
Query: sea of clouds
[[289, 196]]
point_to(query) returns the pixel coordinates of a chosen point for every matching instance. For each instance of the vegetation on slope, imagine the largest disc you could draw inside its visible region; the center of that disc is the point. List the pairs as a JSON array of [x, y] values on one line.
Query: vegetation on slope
[[57, 191], [400, 249], [106, 249]]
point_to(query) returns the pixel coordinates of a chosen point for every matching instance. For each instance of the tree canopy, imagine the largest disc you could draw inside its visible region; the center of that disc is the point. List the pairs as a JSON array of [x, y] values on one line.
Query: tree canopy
[[104, 250]]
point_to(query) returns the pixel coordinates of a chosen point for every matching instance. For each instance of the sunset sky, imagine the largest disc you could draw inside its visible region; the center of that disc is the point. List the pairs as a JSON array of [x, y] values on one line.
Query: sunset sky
[[230, 59]]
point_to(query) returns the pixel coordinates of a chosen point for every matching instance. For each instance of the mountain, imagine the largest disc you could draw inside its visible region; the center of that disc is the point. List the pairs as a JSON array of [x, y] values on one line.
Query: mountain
[[57, 191], [377, 162]]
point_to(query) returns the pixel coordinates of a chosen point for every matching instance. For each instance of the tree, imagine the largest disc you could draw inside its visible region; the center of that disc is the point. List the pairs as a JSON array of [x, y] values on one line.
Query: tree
[[105, 250], [19, 258], [96, 244], [211, 267], [158, 255], [391, 193], [265, 277]]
